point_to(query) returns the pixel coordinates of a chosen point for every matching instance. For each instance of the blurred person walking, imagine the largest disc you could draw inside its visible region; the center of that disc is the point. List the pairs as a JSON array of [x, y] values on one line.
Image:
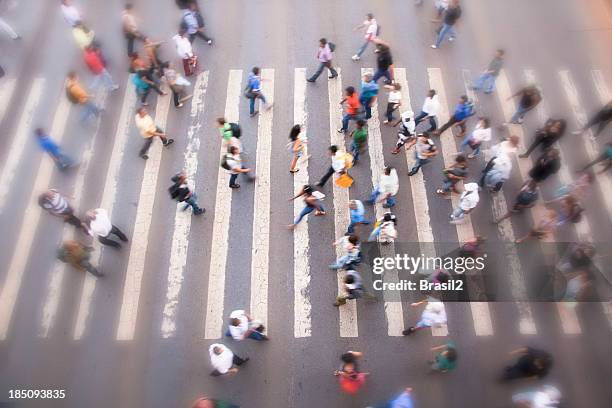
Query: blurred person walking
[[384, 62], [185, 52], [406, 132], [434, 314], [359, 137], [480, 134], [543, 228], [526, 198], [371, 32], [353, 287], [148, 130], [82, 35], [130, 28], [62, 160], [453, 174], [424, 150], [486, 81], [449, 19], [298, 147], [324, 56], [445, 359], [463, 110], [531, 363], [350, 248], [351, 97], [232, 162], [71, 14], [430, 110], [78, 256], [253, 91], [387, 187], [177, 83], [605, 158], [97, 67], [403, 400], [100, 226], [350, 378], [369, 94], [496, 172], [312, 202], [547, 136], [193, 22], [394, 101], [530, 97], [601, 119], [384, 230], [243, 326], [224, 360], [77, 95], [56, 204], [547, 396], [181, 192], [546, 165], [357, 214], [467, 202]]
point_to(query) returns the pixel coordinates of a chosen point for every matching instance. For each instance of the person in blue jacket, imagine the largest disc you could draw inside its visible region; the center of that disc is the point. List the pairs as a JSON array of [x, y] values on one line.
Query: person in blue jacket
[[463, 110]]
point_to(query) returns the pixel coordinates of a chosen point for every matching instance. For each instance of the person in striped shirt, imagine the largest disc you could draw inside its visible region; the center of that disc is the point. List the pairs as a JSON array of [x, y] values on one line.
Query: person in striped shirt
[[56, 204]]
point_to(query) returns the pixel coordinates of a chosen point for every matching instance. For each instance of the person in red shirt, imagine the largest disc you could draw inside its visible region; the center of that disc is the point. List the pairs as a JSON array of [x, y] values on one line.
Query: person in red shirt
[[95, 63], [352, 108]]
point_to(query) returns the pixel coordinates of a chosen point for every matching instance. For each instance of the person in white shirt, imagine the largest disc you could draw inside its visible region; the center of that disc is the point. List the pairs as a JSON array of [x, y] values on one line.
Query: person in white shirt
[[509, 146], [406, 132], [371, 33], [350, 247], [100, 226], [481, 133], [242, 326], [430, 109], [394, 101], [387, 188], [467, 202], [338, 165], [185, 52], [233, 164], [224, 360], [434, 315], [496, 172], [71, 14]]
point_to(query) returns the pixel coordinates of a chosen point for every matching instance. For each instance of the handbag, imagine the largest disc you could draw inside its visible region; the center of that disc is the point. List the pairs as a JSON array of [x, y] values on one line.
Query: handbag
[[344, 181]]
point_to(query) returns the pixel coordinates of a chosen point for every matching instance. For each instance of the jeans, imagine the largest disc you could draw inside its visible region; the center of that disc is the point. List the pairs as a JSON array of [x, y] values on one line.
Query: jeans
[[192, 201], [129, 37], [322, 66], [448, 186], [348, 117], [418, 164], [114, 231], [457, 214], [252, 102], [444, 30], [519, 114], [233, 178], [326, 176], [355, 221], [89, 110], [486, 82], [199, 34], [103, 78], [382, 73], [147, 143], [307, 210], [466, 142], [355, 151], [450, 123], [432, 120], [362, 48], [365, 102], [390, 202], [391, 107], [63, 161]]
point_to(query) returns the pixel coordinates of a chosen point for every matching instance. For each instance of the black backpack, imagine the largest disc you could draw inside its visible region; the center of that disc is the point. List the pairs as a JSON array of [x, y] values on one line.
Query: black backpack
[[224, 164], [236, 131], [332, 46]]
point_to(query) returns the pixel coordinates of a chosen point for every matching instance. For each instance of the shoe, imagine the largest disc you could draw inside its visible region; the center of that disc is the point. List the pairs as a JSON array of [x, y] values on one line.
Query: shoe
[[412, 173], [254, 113], [180, 105], [355, 57], [376, 51], [294, 171], [451, 39], [332, 76], [209, 42], [199, 211], [434, 46], [385, 121], [341, 130], [318, 184], [169, 142], [144, 156], [471, 156], [408, 331], [310, 80], [577, 132], [114, 87], [234, 185], [185, 98]]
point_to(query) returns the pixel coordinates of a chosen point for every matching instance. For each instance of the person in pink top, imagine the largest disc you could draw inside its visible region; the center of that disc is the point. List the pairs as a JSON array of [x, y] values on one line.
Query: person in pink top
[[324, 55], [95, 63]]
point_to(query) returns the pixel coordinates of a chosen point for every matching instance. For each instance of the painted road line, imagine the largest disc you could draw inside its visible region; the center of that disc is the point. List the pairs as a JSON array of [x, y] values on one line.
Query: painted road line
[[603, 181], [54, 289], [108, 202], [220, 235], [481, 314], [182, 219], [393, 300], [347, 312], [23, 133], [142, 226], [302, 308], [27, 229], [420, 203], [7, 87], [260, 254]]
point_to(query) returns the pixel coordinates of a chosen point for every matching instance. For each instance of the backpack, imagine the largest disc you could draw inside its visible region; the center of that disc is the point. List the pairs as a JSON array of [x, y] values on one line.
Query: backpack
[[236, 131], [332, 46], [224, 162]]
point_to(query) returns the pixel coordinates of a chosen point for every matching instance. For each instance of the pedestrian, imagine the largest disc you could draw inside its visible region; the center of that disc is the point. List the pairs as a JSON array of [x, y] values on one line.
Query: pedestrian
[[56, 204], [224, 360], [312, 203], [77, 95], [232, 162], [580, 188], [100, 225], [453, 174], [142, 88], [351, 251], [531, 363], [148, 130], [530, 97], [243, 326], [205, 402], [193, 22], [177, 83], [403, 400], [387, 187], [546, 396], [185, 52], [230, 132], [424, 151], [543, 228], [371, 31], [351, 379], [430, 110], [62, 160], [338, 165], [486, 81], [151, 52], [351, 97], [144, 79], [406, 132], [434, 315], [357, 214], [547, 136], [463, 110], [82, 35], [253, 91], [496, 172], [181, 192], [369, 94], [394, 101], [130, 28], [602, 118], [71, 14], [78, 256], [445, 359], [526, 198], [324, 56], [384, 229], [467, 202], [569, 210], [360, 137], [298, 147], [546, 165], [353, 288], [4, 26], [384, 62], [605, 158], [97, 67], [480, 134], [449, 18], [508, 146]]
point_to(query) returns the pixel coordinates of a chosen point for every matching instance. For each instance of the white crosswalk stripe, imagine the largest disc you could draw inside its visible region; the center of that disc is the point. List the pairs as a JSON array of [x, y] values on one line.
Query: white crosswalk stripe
[[7, 88]]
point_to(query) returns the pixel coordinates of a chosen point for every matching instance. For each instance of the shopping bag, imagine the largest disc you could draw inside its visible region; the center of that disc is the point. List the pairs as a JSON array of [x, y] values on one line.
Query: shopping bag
[[344, 181]]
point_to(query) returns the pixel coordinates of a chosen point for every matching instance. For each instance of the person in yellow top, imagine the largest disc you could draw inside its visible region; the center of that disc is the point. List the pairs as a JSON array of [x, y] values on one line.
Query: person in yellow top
[[148, 130], [79, 96], [83, 36]]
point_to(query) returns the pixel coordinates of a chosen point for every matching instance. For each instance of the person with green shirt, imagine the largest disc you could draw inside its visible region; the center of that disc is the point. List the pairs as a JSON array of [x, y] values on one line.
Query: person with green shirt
[[359, 135], [225, 129], [446, 358]]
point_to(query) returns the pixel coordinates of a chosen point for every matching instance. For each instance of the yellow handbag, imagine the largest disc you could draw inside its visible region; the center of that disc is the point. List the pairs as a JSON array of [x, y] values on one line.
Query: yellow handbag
[[344, 181]]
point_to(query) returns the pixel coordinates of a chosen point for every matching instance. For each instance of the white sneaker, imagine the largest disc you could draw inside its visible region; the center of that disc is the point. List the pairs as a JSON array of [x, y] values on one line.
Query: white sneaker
[[385, 121], [471, 156], [451, 39], [433, 46], [577, 132], [355, 57]]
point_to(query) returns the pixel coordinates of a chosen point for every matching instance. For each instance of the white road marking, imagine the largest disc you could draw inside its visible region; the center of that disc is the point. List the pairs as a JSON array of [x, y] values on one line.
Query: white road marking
[[481, 314], [108, 202], [22, 134], [419, 193], [220, 234], [302, 308], [393, 301], [7, 88], [347, 312], [142, 226], [27, 229], [182, 219], [260, 255]]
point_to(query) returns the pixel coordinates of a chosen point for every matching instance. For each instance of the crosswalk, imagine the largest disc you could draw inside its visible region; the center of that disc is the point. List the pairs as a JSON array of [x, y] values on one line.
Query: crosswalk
[[143, 249]]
